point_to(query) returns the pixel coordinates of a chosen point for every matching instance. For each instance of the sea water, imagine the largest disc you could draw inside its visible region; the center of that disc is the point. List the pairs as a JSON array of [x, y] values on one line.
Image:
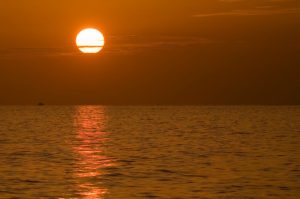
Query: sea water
[[97, 152]]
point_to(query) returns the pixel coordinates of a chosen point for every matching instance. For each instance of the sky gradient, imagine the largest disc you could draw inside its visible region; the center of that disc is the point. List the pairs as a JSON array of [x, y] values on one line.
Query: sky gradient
[[176, 52]]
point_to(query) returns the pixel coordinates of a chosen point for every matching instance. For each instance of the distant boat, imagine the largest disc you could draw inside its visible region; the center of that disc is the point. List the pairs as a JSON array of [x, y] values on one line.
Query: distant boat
[[41, 104]]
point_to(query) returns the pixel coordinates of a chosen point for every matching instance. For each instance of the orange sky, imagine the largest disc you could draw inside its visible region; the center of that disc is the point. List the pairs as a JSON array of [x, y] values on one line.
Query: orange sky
[[157, 52]]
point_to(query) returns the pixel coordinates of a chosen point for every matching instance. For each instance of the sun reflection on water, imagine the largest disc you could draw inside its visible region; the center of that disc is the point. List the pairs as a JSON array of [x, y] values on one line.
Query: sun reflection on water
[[91, 137]]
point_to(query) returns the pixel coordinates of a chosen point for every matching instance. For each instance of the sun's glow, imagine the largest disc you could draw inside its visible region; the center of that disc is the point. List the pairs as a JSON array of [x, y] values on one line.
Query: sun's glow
[[90, 40]]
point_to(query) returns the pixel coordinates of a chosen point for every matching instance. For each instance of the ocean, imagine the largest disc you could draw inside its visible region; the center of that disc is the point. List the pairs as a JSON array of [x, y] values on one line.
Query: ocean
[[99, 152]]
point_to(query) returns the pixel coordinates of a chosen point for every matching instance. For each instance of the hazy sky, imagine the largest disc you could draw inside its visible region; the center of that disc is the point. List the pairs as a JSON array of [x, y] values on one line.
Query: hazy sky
[[156, 52]]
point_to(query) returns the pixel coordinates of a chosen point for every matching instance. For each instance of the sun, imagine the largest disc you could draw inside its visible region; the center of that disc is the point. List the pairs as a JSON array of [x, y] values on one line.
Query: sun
[[90, 40]]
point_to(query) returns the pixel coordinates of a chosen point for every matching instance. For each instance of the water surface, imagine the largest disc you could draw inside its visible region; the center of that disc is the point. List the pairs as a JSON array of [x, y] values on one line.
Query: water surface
[[97, 152]]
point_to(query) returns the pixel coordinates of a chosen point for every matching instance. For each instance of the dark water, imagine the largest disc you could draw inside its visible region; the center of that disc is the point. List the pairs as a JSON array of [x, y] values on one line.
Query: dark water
[[95, 152]]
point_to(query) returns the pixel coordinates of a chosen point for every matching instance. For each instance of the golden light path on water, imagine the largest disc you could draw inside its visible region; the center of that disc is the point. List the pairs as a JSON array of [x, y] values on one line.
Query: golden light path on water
[[90, 122]]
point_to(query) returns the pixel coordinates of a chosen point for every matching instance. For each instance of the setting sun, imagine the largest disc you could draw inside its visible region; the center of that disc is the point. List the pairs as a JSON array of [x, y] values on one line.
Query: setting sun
[[90, 40], [109, 99]]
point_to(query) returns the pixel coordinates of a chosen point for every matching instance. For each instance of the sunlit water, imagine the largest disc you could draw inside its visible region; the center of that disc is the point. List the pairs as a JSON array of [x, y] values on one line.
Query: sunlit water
[[96, 152]]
